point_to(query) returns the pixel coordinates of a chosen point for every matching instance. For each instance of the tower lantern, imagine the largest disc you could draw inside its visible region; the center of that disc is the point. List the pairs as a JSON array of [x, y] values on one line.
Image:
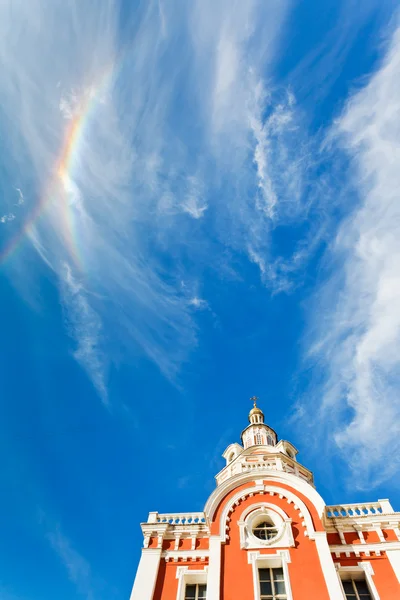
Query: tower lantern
[[257, 433]]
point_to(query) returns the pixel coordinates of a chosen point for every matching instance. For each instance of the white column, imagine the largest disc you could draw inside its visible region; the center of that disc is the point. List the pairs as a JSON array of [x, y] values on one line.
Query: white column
[[328, 567], [214, 569], [394, 559], [146, 575]]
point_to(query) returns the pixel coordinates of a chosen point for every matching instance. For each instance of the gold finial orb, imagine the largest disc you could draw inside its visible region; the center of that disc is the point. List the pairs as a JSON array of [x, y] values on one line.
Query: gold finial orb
[[255, 410]]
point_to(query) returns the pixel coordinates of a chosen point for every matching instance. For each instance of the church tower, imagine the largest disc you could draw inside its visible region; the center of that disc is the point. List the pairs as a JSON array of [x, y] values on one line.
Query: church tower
[[266, 534]]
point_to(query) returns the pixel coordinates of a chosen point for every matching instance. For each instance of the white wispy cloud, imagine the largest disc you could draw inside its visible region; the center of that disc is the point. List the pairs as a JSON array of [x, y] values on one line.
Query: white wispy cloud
[[77, 567], [86, 327], [198, 303], [358, 327], [103, 206], [7, 218], [21, 198], [235, 160]]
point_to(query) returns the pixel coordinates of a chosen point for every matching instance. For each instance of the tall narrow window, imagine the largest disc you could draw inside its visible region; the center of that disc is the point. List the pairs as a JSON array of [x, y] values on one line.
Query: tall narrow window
[[258, 439], [272, 584], [356, 590], [270, 441], [196, 591]]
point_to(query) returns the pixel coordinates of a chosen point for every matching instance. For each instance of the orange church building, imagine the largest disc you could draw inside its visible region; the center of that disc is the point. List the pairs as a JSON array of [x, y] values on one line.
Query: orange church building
[[266, 534]]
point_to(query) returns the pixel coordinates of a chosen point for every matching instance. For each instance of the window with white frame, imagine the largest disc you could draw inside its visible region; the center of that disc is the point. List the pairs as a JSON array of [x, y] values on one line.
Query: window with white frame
[[356, 589], [196, 591], [266, 529], [270, 441], [258, 439], [272, 584], [357, 581]]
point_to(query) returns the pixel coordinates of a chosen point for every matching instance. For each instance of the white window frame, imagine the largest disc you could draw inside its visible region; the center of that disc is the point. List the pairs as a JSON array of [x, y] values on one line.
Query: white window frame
[[270, 561], [189, 576], [363, 571], [272, 580], [258, 512]]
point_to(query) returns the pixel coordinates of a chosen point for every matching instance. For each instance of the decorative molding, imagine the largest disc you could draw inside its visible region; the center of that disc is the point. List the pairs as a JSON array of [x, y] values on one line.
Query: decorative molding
[[290, 497], [284, 536], [185, 554], [362, 548]]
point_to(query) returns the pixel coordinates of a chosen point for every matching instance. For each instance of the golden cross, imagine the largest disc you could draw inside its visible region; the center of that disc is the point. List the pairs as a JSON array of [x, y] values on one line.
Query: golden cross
[[254, 399]]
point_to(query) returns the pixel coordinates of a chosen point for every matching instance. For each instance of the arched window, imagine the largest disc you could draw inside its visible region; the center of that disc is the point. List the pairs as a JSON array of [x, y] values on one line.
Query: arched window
[[265, 530], [270, 441], [258, 439], [231, 457]]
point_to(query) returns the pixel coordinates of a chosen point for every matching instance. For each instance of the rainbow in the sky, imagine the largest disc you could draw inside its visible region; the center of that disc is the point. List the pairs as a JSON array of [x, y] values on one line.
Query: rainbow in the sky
[[61, 179]]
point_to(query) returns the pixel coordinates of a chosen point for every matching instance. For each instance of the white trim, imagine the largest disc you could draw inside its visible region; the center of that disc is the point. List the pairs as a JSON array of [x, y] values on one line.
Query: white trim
[[273, 507], [268, 489], [146, 574], [260, 561], [184, 554], [214, 568], [333, 584], [394, 559], [283, 525], [186, 575], [358, 549]]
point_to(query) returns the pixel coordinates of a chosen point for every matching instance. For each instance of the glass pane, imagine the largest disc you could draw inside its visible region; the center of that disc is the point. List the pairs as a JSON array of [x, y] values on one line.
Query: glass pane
[[278, 574], [365, 596], [265, 588], [279, 587], [362, 588], [264, 575], [190, 593], [202, 591], [348, 587]]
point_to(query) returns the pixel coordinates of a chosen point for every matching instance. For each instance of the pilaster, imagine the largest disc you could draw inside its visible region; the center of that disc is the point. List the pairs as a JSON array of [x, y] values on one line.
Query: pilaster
[[214, 569], [328, 567], [146, 576]]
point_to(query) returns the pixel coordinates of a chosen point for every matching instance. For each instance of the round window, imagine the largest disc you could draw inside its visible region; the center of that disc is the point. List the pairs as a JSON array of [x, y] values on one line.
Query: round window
[[265, 530]]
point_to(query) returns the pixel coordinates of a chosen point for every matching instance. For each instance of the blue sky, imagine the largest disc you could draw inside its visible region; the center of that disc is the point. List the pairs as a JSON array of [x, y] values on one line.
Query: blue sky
[[199, 203]]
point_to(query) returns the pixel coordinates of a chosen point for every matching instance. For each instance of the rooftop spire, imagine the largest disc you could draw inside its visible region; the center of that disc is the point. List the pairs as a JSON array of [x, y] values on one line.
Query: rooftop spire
[[254, 400], [256, 415]]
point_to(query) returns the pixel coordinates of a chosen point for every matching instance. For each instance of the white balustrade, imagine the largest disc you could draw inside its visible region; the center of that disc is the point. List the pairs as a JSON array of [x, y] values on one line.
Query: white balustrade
[[282, 463], [355, 510], [197, 518]]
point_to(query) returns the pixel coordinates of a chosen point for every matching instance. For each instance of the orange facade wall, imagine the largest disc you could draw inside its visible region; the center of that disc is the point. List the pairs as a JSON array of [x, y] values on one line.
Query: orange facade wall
[[334, 539], [390, 535], [167, 582], [304, 567]]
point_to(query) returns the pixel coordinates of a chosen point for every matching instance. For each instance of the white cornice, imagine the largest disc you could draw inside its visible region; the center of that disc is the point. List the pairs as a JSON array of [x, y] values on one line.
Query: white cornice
[[358, 549], [386, 521]]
